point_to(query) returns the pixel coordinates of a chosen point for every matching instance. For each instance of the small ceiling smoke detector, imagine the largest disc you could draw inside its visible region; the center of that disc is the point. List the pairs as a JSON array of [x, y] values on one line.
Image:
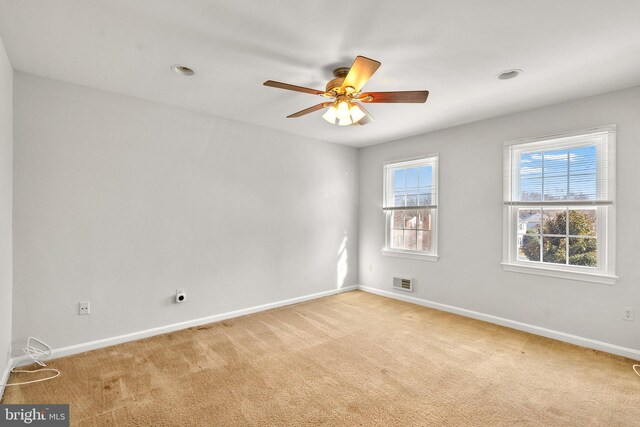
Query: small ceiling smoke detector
[[509, 74], [183, 70]]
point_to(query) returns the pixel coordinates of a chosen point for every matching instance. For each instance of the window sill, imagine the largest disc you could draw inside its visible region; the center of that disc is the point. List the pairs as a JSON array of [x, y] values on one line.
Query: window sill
[[410, 255], [606, 279]]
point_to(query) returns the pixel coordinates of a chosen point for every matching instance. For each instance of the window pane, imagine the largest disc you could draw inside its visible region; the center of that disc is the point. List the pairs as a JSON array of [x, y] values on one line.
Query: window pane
[[582, 187], [528, 247], [424, 196], [424, 241], [556, 163], [555, 221], [531, 189], [412, 198], [529, 221], [397, 219], [554, 250], [399, 198], [411, 178], [583, 251], [410, 239], [555, 188], [410, 219], [582, 222], [397, 239], [425, 176], [424, 219], [531, 165], [583, 171], [583, 160], [398, 179]]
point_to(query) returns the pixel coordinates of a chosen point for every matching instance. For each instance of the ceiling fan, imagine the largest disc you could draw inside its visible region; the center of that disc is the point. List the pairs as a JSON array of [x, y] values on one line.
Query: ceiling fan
[[345, 92]]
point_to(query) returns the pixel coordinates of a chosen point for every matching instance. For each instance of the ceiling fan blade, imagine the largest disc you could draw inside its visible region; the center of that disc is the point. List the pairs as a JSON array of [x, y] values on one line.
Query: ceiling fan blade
[[414, 96], [361, 71], [310, 110], [368, 118], [294, 88]]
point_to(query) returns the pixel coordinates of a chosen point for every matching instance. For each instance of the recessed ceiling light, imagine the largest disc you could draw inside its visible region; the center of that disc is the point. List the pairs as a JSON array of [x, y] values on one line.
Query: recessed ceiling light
[[183, 70], [509, 74]]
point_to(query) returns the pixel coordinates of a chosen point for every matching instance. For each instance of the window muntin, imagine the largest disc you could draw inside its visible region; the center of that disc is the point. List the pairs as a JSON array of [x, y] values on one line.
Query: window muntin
[[559, 201], [410, 203]]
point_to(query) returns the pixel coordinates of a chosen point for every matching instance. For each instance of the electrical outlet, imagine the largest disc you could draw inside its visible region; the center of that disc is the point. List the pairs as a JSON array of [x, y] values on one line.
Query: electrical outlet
[[627, 314], [370, 268], [181, 295], [84, 307]]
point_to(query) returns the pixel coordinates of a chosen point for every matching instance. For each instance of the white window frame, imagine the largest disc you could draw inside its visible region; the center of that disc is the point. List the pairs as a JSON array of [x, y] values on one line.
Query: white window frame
[[605, 223], [427, 160]]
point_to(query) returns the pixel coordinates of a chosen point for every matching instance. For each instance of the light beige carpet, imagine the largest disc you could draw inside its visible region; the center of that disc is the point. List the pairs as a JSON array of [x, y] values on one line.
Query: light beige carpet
[[350, 359]]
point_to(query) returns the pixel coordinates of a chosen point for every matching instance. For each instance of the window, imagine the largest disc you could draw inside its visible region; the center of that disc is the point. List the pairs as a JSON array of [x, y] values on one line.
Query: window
[[410, 205], [559, 197]]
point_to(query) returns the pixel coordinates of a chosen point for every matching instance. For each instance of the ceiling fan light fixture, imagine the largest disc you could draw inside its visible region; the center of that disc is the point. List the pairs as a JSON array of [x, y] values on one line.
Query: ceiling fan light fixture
[[356, 113], [331, 116], [343, 112]]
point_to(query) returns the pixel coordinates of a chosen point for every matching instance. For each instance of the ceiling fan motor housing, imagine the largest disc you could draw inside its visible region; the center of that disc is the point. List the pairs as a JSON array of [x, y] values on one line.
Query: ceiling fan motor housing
[[339, 74]]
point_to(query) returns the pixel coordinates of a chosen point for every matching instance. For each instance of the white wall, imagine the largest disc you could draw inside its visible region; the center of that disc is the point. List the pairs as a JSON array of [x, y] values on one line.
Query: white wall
[[6, 206], [121, 201], [468, 274]]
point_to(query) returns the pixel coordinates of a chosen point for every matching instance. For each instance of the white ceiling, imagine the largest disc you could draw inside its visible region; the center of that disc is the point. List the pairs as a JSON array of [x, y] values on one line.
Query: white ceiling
[[568, 49]]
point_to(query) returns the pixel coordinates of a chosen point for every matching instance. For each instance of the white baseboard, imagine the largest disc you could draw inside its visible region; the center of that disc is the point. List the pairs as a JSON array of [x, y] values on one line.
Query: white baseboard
[[5, 376], [537, 330], [107, 342]]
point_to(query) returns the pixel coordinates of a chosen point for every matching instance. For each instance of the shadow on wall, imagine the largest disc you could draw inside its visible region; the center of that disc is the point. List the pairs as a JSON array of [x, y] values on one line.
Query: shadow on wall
[[343, 264]]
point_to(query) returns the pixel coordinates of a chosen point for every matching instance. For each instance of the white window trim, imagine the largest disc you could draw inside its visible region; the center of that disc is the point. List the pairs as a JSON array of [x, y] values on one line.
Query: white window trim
[[606, 225], [409, 254], [404, 253], [546, 270]]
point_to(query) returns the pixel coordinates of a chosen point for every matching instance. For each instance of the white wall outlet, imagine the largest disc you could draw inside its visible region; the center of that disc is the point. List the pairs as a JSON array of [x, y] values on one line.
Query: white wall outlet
[[181, 295], [627, 314], [84, 307], [370, 268]]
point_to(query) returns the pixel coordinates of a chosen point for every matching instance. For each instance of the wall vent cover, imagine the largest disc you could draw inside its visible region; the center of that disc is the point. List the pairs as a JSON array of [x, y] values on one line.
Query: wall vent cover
[[403, 284]]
